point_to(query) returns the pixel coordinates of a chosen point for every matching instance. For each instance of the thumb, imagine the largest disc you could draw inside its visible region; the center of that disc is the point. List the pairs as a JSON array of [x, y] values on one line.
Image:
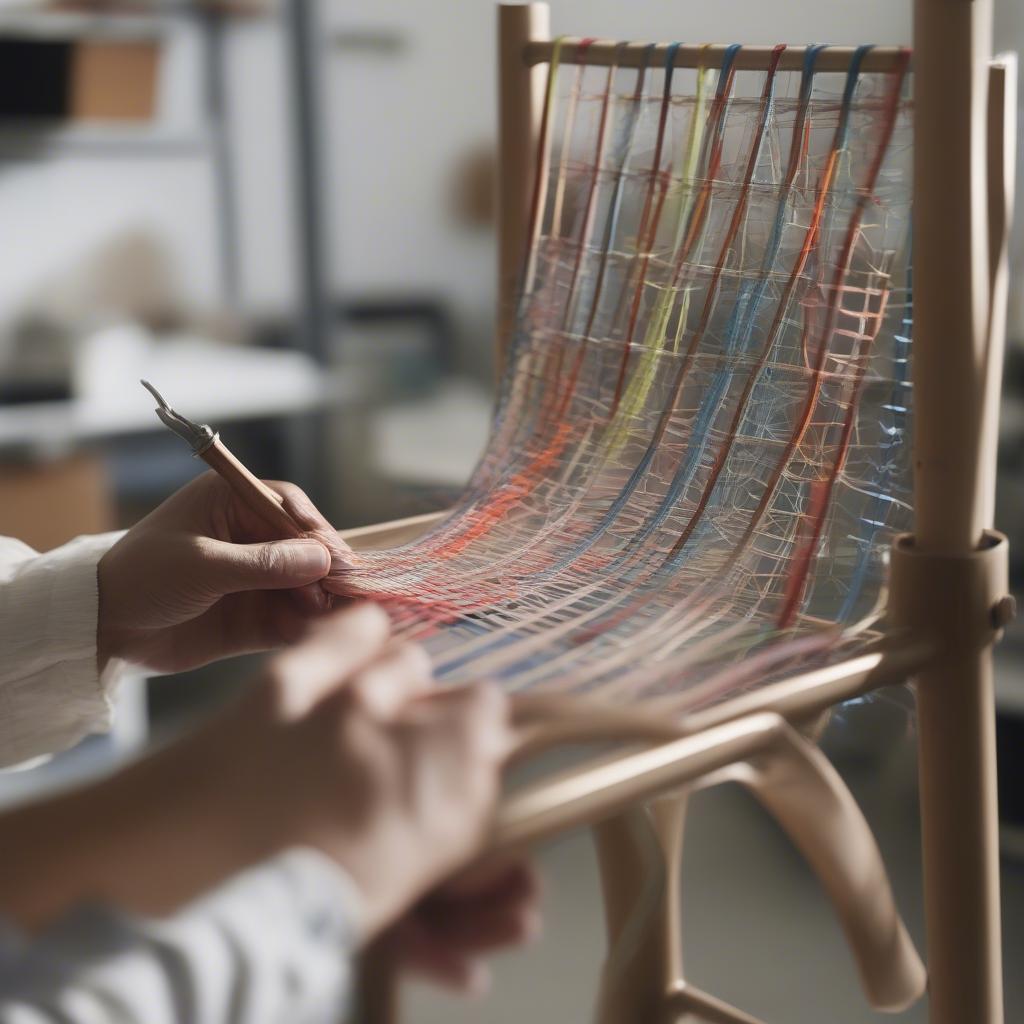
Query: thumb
[[273, 565]]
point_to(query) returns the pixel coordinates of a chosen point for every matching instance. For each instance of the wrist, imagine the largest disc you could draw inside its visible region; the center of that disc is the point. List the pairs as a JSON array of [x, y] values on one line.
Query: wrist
[[378, 863]]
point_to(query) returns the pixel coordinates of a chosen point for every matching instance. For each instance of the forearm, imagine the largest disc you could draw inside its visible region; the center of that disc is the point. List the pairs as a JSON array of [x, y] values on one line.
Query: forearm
[[148, 839]]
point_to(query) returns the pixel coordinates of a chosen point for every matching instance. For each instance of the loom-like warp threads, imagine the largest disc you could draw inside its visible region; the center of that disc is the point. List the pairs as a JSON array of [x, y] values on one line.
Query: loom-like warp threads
[[701, 441]]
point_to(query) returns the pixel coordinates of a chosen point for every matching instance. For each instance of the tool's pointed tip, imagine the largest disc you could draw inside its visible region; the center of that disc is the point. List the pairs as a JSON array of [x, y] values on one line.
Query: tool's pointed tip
[[153, 391]]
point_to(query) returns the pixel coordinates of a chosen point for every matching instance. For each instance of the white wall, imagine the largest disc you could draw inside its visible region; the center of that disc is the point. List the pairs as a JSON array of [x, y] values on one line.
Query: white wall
[[395, 127], [398, 124], [55, 210], [260, 103]]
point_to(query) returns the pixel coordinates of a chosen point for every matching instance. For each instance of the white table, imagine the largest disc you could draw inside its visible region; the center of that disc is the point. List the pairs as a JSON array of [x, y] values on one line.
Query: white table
[[205, 380]]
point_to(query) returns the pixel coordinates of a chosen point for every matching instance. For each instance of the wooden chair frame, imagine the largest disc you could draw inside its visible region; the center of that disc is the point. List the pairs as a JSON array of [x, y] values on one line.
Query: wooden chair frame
[[948, 598]]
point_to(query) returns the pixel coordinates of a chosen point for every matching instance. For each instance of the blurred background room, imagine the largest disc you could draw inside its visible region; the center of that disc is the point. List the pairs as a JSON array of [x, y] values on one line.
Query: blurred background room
[[280, 212]]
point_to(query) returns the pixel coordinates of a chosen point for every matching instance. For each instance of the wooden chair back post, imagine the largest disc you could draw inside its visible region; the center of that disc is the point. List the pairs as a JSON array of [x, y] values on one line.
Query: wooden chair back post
[[520, 105], [959, 184]]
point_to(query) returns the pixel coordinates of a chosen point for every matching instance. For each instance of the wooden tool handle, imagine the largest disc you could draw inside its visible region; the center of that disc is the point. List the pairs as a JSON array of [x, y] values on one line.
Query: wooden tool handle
[[267, 504]]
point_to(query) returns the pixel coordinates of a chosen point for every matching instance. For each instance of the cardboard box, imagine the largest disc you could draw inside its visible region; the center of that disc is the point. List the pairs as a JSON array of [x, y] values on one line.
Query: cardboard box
[[47, 504], [114, 81]]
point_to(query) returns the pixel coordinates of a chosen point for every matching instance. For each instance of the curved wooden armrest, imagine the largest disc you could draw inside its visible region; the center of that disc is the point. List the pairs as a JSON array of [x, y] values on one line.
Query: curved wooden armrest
[[595, 792], [801, 789], [794, 781]]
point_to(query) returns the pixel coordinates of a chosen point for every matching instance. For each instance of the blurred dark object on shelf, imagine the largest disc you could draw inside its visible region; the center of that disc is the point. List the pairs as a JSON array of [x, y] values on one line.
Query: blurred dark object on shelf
[[413, 334], [71, 79], [35, 78], [36, 362], [383, 41], [1010, 483], [136, 8], [1010, 757], [474, 186]]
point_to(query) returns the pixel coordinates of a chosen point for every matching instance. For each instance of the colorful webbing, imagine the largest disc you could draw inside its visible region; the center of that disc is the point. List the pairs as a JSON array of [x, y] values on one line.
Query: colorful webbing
[[693, 144], [725, 80], [717, 389], [882, 502], [590, 206], [805, 557], [656, 337], [552, 358], [666, 551], [683, 475], [570, 125], [685, 471], [615, 209], [649, 221], [750, 308], [838, 144], [543, 150], [518, 484]]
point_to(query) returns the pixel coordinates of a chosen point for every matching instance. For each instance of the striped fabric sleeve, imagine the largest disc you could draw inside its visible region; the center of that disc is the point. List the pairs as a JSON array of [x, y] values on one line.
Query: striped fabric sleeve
[[51, 692], [272, 946]]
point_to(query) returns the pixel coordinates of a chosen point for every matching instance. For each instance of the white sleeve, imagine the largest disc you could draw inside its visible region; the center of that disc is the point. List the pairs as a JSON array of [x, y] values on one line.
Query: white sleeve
[[273, 946], [51, 693]]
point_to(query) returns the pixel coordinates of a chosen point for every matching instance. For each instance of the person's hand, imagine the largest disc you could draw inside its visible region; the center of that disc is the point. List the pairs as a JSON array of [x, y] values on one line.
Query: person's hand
[[407, 797], [204, 577], [444, 937]]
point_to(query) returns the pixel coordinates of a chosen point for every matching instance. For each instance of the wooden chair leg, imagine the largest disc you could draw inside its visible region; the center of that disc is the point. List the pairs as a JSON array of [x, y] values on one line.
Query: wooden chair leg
[[640, 859], [796, 783], [956, 713], [640, 855], [689, 1004], [956, 751]]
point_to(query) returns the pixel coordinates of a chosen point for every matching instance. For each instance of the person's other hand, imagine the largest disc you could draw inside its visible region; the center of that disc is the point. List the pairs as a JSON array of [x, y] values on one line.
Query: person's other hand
[[444, 937], [204, 577], [350, 750]]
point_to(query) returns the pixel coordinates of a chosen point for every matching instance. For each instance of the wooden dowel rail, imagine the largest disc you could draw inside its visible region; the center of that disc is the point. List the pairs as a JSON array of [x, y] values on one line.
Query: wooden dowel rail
[[604, 52], [596, 792]]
